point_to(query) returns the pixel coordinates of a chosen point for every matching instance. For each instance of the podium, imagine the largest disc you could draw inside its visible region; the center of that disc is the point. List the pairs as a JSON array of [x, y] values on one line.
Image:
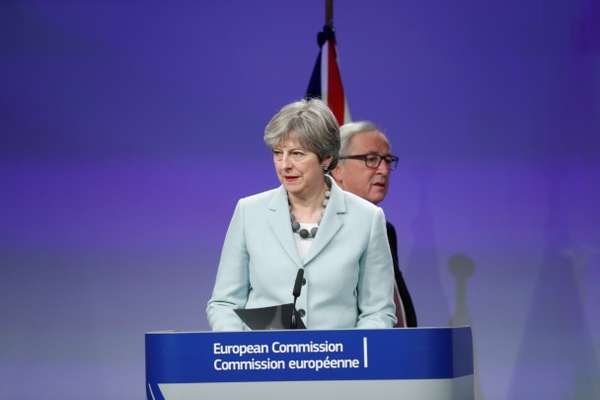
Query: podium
[[408, 363]]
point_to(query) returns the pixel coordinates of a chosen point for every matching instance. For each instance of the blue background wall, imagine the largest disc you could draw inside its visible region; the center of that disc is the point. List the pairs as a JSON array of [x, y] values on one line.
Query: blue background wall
[[129, 130]]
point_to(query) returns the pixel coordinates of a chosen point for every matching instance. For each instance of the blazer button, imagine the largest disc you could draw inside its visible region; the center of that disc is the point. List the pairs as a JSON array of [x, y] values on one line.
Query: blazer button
[[302, 312], [303, 281]]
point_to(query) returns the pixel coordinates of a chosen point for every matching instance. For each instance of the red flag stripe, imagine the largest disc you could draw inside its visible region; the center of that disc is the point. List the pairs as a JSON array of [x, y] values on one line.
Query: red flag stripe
[[335, 90]]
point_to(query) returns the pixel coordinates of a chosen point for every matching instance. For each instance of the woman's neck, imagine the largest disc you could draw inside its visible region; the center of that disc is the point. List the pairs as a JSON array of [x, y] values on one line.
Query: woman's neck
[[308, 209]]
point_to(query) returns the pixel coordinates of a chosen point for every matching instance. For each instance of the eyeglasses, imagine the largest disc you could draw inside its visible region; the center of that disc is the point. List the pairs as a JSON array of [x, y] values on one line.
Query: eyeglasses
[[374, 160]]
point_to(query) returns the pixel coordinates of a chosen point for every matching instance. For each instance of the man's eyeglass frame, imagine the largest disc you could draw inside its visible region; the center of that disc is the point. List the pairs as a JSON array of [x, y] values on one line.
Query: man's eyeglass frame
[[374, 160]]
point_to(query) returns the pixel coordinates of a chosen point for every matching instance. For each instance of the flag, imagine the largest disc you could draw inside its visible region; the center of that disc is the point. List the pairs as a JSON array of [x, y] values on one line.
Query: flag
[[326, 81]]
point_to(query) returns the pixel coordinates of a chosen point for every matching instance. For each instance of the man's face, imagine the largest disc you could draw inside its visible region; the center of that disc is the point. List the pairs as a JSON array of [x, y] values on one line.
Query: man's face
[[354, 176]]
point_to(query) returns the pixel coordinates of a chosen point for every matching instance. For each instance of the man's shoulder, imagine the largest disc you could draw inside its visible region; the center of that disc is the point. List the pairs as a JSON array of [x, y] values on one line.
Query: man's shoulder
[[391, 231]]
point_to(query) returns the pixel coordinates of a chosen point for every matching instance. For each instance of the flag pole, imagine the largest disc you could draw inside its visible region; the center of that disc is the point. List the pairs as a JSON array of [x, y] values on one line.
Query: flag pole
[[325, 81], [329, 14]]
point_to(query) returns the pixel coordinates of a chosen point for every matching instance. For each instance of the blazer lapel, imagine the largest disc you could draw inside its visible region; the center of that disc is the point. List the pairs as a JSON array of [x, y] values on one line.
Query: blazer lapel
[[331, 223], [279, 221]]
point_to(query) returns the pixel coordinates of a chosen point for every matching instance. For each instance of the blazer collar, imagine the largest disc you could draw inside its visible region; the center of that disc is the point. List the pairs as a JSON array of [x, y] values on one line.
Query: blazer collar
[[331, 223], [279, 220]]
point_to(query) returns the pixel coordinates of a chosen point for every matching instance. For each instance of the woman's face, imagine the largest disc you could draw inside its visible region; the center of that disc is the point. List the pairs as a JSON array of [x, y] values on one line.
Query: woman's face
[[298, 169]]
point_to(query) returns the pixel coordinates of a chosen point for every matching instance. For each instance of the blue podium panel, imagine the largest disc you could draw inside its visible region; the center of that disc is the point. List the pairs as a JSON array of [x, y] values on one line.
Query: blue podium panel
[[424, 363]]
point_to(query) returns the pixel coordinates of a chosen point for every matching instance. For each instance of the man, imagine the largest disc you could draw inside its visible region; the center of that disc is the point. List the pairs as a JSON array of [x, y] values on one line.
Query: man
[[364, 168]]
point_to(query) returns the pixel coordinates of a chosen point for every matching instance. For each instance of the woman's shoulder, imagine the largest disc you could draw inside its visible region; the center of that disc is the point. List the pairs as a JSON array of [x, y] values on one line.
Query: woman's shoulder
[[356, 203], [260, 199]]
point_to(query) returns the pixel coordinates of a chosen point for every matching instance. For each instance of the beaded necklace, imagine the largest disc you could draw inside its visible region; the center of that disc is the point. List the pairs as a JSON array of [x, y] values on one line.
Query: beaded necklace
[[305, 233]]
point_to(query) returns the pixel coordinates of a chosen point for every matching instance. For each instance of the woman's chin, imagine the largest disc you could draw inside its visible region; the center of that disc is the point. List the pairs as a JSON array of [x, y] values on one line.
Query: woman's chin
[[294, 189], [292, 185]]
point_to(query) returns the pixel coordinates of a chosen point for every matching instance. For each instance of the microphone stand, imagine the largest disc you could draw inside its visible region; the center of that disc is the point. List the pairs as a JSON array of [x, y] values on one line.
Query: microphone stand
[[296, 294]]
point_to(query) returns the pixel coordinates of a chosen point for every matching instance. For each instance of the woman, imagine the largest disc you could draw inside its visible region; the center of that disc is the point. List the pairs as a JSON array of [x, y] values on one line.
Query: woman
[[308, 222]]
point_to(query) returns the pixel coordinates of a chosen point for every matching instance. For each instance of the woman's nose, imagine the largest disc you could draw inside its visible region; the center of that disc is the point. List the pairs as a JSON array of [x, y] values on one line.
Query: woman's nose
[[285, 161]]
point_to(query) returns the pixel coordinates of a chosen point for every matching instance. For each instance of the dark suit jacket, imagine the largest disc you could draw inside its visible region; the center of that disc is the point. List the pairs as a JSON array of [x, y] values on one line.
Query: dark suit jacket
[[409, 309]]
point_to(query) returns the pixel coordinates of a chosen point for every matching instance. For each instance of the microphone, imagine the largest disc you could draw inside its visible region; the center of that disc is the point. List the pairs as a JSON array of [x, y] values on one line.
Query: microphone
[[298, 283], [296, 293]]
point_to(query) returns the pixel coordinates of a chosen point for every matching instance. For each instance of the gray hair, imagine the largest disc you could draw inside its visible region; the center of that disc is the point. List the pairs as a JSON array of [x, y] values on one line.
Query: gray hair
[[312, 123], [351, 129]]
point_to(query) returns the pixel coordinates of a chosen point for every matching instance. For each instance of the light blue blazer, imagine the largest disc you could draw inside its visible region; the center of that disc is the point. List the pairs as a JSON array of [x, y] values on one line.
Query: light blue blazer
[[348, 270]]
